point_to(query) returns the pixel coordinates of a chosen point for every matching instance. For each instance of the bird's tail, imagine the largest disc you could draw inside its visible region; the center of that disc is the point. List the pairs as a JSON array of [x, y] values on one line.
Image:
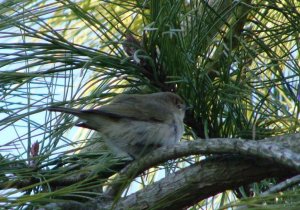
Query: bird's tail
[[86, 119], [65, 110]]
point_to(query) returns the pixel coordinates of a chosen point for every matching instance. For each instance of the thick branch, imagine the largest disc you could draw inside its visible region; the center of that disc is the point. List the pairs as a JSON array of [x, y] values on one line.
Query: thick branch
[[192, 184], [202, 180], [269, 149], [253, 161]]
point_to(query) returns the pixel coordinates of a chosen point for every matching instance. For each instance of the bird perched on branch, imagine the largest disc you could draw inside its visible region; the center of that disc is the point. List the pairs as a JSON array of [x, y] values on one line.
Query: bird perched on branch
[[135, 124]]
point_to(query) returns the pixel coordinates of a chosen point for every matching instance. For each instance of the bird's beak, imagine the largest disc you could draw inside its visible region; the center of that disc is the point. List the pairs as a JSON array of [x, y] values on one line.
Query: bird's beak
[[185, 108]]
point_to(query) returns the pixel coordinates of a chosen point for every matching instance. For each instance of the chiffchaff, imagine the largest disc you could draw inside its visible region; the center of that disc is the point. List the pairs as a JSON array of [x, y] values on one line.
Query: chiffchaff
[[135, 124]]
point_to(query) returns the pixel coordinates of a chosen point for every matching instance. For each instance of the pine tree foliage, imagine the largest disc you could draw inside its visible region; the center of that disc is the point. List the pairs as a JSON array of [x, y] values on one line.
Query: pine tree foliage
[[235, 63]]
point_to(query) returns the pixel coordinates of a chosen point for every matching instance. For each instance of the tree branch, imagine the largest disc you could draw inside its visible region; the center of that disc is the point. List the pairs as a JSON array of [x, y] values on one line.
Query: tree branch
[[269, 149], [248, 161], [190, 185], [283, 185], [202, 180]]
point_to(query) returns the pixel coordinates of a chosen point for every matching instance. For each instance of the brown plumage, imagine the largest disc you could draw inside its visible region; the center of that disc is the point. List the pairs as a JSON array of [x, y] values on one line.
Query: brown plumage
[[135, 124]]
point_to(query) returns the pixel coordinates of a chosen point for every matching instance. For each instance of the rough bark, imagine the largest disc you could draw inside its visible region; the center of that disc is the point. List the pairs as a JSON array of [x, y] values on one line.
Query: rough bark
[[237, 162], [202, 180]]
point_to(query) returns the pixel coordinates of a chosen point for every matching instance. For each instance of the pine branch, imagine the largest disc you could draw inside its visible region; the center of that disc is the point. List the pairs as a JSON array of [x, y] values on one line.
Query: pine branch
[[283, 185], [201, 181], [192, 184], [270, 149]]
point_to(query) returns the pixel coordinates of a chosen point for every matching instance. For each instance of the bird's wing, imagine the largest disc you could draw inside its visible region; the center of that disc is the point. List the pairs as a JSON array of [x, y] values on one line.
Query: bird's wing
[[140, 109]]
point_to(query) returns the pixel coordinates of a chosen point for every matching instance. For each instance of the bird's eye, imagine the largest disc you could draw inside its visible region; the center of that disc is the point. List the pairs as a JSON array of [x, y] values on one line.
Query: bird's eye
[[179, 104]]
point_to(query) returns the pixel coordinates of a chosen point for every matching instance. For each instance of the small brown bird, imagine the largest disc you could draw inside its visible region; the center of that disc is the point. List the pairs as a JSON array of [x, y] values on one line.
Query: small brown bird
[[135, 124]]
